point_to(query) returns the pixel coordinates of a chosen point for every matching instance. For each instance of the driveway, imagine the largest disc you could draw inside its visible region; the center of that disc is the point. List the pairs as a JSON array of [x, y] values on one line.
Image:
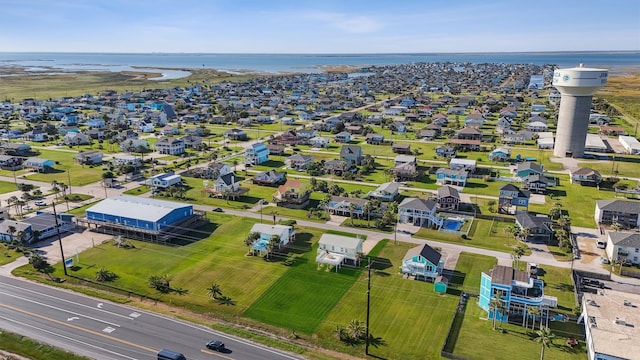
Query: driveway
[[589, 253]]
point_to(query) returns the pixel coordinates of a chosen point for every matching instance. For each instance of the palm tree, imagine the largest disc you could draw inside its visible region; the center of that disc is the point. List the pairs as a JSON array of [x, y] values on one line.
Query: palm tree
[[12, 230], [103, 275], [534, 311], [251, 238], [274, 242], [214, 291], [555, 212], [616, 226], [545, 337], [524, 233], [54, 188], [564, 221], [518, 252], [496, 305], [341, 333], [352, 211], [367, 208], [356, 329]]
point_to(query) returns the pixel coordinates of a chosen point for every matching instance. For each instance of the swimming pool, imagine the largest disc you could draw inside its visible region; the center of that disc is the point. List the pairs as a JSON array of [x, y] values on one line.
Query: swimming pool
[[452, 224]]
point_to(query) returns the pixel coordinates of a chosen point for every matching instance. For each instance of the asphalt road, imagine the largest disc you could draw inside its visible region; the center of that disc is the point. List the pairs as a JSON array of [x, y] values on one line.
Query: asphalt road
[[104, 330]]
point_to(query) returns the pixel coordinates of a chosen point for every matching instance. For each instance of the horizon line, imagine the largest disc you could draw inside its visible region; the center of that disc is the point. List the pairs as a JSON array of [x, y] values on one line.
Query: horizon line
[[336, 53]]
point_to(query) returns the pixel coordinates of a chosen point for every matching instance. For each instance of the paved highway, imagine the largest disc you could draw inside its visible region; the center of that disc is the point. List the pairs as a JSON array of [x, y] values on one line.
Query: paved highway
[[104, 330]]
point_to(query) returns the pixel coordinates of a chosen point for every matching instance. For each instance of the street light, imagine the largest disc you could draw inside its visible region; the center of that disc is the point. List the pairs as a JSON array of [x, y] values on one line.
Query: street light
[[261, 202]]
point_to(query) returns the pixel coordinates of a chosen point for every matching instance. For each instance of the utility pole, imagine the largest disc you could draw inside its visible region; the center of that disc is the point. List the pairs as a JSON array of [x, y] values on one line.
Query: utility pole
[[55, 215], [366, 347], [69, 178]]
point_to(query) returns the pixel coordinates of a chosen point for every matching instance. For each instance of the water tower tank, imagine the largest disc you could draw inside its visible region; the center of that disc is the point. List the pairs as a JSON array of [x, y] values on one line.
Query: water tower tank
[[576, 86]]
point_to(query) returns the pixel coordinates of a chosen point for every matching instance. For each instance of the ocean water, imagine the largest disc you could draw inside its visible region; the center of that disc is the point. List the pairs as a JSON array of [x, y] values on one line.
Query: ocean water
[[306, 63]]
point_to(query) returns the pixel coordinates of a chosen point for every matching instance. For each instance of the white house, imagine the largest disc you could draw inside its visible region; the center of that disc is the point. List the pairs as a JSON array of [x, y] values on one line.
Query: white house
[[285, 233], [170, 146], [462, 164], [319, 142], [336, 250], [623, 246], [164, 180], [630, 144], [127, 159]]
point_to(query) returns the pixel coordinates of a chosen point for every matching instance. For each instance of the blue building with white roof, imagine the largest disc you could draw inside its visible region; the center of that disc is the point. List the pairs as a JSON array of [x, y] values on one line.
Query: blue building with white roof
[[138, 214]]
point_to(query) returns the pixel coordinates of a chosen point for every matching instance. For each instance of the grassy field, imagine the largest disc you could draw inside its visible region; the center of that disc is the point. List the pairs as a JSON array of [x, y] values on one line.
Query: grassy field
[[408, 319], [139, 190], [303, 296], [23, 346], [486, 234], [7, 255], [80, 175], [6, 187], [469, 269]]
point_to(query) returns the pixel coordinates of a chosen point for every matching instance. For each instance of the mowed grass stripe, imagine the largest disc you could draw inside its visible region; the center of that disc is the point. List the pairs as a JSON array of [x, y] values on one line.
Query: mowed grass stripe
[[303, 297]]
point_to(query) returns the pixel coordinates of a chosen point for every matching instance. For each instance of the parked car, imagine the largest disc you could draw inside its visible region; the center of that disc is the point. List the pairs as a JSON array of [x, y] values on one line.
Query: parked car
[[593, 282], [217, 209], [604, 260], [41, 203], [27, 208], [216, 345]]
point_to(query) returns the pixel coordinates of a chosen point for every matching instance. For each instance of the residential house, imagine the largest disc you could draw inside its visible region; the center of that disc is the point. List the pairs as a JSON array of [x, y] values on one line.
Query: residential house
[[630, 144], [336, 167], [236, 134], [539, 226], [134, 145], [536, 126], [89, 157], [463, 164], [284, 234], [469, 133], [226, 184], [374, 139], [527, 168], [586, 177], [275, 149], [76, 138], [169, 130], [344, 206], [36, 135], [337, 250], [38, 164], [385, 192], [192, 141], [10, 162], [500, 154], [445, 151], [422, 262], [510, 195], [446, 176], [343, 137], [516, 289], [351, 154], [289, 137], [623, 247], [145, 127], [536, 183], [298, 161], [170, 146], [448, 198], [465, 144], [293, 194], [164, 180], [255, 154], [270, 178], [419, 212], [624, 212], [127, 160], [22, 232], [401, 148], [426, 134], [319, 142], [11, 148]]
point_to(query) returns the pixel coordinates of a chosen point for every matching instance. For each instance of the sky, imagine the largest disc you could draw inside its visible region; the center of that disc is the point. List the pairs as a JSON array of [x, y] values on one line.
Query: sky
[[318, 26]]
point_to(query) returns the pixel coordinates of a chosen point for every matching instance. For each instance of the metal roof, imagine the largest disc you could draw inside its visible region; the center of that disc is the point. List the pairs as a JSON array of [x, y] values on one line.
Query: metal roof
[[340, 241], [135, 207]]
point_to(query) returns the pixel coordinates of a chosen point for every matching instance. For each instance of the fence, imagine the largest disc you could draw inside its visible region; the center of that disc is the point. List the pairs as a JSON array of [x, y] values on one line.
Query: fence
[[454, 331], [630, 273]]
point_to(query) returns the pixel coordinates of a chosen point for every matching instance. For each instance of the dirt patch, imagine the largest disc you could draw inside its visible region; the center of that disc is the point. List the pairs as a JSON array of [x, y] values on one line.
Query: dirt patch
[[10, 356], [587, 250]]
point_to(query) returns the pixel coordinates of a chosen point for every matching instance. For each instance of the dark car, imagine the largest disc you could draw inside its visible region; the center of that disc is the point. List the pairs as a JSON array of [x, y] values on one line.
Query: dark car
[[218, 209], [593, 282], [216, 345]]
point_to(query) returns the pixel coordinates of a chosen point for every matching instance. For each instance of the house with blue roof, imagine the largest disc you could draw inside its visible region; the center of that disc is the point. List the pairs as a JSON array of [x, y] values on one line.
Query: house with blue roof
[[516, 289], [510, 195], [445, 176], [284, 233], [257, 153], [422, 263]]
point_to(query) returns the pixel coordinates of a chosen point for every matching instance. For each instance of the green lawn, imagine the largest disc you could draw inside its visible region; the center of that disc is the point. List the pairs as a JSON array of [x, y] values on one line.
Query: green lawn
[[477, 340], [408, 319], [80, 211], [486, 234], [6, 187], [80, 175], [139, 190], [32, 349], [469, 270], [304, 295], [7, 255]]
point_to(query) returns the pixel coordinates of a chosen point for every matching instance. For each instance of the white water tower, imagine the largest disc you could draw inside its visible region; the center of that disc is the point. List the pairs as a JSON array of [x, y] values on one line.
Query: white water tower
[[576, 85]]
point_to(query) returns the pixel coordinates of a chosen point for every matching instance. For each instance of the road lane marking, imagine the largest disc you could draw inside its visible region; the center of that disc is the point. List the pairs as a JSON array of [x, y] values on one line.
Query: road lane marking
[[108, 330], [64, 310], [67, 338], [79, 328], [99, 305], [134, 315], [61, 299], [73, 318], [216, 354]]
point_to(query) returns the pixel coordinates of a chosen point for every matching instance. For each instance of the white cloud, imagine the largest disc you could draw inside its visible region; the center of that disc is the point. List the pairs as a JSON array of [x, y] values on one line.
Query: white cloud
[[354, 24]]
